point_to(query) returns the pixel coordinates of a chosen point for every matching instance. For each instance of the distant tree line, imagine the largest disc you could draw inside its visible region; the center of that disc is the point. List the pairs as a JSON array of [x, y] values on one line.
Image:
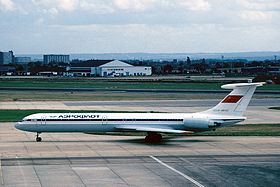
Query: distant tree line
[[211, 66]]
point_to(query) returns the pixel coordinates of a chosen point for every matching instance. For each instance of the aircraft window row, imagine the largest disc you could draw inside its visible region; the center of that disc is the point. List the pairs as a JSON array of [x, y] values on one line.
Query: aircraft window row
[[115, 69], [103, 120]]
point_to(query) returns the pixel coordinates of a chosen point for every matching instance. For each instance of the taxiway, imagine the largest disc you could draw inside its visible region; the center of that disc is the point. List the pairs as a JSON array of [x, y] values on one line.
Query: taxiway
[[102, 160]]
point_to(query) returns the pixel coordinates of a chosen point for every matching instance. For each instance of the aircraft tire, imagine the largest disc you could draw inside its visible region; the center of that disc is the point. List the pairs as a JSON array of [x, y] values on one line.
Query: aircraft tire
[[38, 139], [153, 138]]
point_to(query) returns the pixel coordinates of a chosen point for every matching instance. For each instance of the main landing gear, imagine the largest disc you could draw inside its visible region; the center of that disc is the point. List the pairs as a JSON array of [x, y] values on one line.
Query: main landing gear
[[153, 138], [38, 138]]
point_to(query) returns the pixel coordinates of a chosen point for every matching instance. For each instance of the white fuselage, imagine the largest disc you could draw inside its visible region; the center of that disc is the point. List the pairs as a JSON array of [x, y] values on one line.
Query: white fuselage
[[115, 122]]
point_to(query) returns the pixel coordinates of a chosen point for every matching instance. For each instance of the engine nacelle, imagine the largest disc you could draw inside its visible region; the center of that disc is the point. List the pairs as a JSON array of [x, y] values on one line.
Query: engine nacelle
[[194, 123]]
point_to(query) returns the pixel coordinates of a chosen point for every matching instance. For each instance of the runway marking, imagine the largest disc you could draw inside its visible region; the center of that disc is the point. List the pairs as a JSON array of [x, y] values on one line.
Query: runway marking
[[1, 174], [180, 173]]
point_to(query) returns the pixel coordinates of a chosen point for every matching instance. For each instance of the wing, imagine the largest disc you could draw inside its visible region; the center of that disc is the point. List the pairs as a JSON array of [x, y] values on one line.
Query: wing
[[159, 129]]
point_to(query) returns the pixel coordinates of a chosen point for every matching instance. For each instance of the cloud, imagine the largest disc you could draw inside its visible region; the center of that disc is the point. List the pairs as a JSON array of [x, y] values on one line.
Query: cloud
[[195, 5], [138, 5], [68, 5], [109, 6], [142, 5], [153, 38], [140, 25], [264, 5], [258, 10], [255, 15], [98, 7], [55, 7], [65, 5], [7, 5]]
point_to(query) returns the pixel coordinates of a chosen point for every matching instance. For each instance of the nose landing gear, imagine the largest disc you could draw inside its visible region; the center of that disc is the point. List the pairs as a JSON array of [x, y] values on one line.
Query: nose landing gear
[[38, 138]]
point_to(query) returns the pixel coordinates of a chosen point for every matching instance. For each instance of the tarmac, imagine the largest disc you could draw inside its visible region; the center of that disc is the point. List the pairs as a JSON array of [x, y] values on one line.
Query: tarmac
[[102, 160], [76, 159]]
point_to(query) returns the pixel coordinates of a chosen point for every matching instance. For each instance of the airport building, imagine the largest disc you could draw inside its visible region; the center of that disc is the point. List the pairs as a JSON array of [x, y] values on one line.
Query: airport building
[[7, 70], [105, 68], [56, 58], [22, 60], [6, 58]]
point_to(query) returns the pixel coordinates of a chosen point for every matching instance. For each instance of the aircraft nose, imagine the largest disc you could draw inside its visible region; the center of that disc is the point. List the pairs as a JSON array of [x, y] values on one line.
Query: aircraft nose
[[19, 126]]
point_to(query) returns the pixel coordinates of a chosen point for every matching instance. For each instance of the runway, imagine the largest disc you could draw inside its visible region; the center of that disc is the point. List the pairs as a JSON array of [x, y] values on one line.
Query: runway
[[173, 103], [101, 160]]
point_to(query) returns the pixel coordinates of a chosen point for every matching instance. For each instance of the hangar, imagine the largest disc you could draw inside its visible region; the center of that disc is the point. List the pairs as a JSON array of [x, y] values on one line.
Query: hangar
[[105, 68]]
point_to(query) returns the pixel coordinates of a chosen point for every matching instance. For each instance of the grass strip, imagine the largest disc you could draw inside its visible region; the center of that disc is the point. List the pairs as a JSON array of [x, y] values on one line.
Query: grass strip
[[87, 83], [105, 84]]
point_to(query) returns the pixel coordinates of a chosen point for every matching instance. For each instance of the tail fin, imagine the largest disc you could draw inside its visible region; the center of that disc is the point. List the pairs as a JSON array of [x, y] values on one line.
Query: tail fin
[[237, 101]]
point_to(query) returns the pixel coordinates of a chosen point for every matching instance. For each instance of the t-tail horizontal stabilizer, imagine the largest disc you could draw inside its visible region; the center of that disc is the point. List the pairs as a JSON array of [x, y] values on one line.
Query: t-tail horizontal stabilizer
[[235, 103]]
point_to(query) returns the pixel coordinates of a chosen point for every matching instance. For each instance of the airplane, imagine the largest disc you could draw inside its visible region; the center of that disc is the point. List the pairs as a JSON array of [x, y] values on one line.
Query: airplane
[[228, 112]]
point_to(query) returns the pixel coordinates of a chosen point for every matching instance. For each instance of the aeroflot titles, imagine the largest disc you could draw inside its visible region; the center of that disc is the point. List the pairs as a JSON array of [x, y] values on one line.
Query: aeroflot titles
[[82, 116]]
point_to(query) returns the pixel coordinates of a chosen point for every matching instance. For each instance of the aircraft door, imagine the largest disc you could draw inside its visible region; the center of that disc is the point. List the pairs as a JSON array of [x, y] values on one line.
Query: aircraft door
[[104, 120], [34, 121], [125, 121], [43, 120]]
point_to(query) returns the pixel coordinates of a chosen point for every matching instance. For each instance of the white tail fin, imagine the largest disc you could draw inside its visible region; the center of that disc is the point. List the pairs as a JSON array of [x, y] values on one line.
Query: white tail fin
[[237, 101]]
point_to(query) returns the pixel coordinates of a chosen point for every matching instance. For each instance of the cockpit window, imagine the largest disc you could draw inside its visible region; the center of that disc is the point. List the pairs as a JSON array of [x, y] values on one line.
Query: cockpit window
[[25, 119]]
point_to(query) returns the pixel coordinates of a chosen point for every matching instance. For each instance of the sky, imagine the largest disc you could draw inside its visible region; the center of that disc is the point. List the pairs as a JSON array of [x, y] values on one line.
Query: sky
[[127, 26]]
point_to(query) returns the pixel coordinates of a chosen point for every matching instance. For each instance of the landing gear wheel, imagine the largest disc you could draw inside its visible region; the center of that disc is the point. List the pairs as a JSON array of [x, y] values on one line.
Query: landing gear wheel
[[153, 138], [38, 138]]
